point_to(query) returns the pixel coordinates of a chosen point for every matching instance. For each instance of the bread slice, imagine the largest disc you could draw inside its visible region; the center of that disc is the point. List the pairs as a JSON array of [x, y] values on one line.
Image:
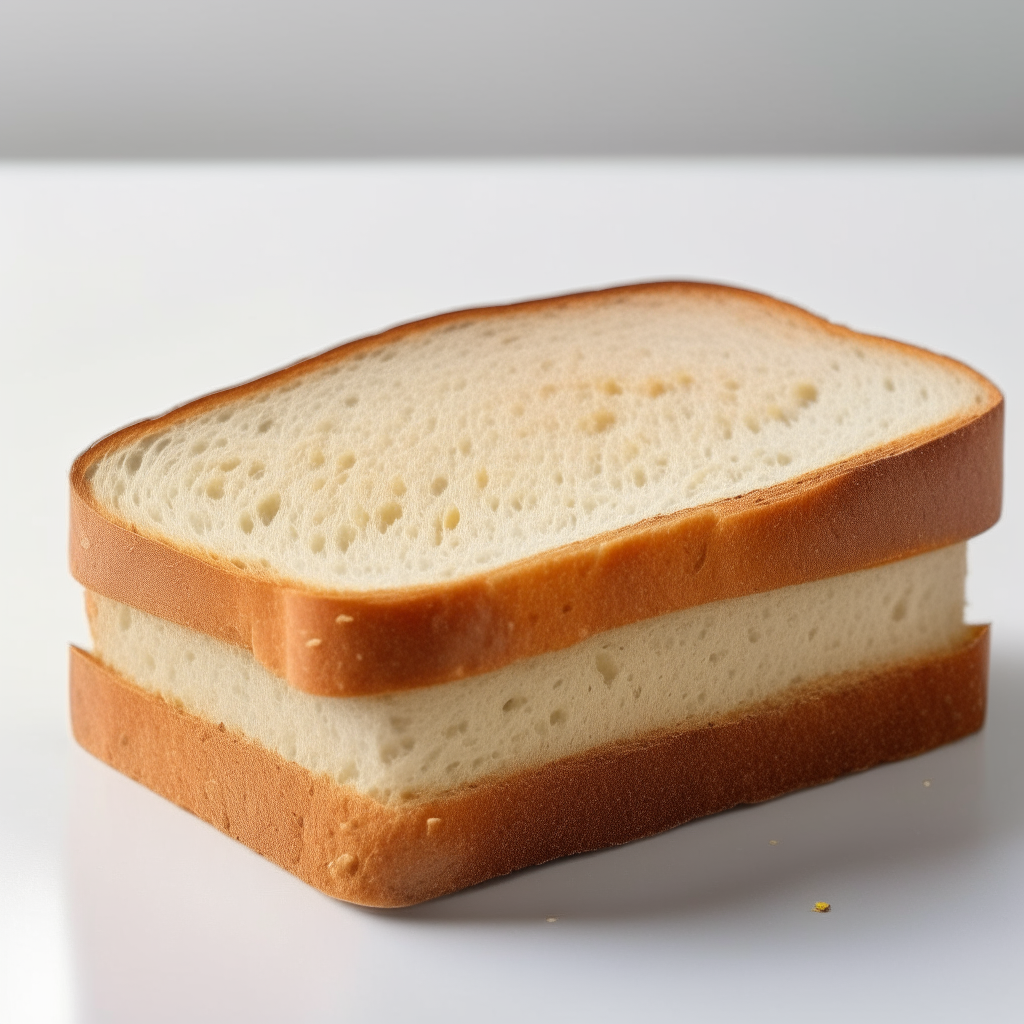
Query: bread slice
[[393, 849], [681, 670], [453, 496]]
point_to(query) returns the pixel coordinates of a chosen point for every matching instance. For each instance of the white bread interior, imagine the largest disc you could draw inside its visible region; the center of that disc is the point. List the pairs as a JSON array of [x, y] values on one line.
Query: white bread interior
[[477, 442], [671, 672]]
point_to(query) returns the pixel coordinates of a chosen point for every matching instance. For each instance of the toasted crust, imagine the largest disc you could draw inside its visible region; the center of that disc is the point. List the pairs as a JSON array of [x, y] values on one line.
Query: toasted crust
[[353, 848], [934, 488]]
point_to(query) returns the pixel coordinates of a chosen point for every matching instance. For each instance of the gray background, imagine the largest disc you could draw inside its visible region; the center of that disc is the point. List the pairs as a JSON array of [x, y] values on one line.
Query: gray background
[[392, 78]]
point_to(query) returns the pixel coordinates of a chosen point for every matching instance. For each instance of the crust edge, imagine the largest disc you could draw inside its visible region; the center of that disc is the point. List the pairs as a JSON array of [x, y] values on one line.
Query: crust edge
[[355, 849]]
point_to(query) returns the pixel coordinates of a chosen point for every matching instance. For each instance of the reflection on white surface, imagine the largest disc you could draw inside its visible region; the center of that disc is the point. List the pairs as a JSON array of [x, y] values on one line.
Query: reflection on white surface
[[34, 941], [35, 961], [921, 880]]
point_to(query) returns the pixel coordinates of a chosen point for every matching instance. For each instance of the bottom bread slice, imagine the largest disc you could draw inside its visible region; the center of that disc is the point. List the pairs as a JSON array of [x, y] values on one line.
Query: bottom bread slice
[[356, 848]]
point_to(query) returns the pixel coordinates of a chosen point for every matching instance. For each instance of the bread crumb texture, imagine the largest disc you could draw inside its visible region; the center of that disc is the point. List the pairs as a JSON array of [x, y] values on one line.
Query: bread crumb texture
[[686, 668], [475, 442]]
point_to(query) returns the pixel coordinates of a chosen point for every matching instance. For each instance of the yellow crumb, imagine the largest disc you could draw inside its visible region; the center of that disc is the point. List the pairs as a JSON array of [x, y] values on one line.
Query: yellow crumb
[[822, 908]]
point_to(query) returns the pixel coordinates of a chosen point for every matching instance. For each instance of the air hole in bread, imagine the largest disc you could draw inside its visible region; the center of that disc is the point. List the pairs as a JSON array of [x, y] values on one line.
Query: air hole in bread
[[268, 508]]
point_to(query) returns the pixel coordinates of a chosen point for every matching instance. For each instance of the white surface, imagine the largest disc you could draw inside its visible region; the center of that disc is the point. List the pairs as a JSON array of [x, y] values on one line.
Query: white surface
[[123, 291]]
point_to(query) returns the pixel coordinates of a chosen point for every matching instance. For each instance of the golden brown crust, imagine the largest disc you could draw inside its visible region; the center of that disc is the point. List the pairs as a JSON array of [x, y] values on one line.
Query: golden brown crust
[[351, 847], [938, 487]]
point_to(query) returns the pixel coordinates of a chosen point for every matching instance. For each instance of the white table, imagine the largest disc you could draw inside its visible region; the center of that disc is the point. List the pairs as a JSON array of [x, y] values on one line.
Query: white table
[[124, 290]]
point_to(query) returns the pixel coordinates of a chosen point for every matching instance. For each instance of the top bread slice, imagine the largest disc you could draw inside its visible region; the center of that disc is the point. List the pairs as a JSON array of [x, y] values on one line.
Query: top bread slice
[[452, 495]]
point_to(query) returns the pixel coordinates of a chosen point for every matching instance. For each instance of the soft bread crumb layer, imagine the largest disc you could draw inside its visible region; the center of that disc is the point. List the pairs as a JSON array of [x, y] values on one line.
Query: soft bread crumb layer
[[678, 670], [475, 443]]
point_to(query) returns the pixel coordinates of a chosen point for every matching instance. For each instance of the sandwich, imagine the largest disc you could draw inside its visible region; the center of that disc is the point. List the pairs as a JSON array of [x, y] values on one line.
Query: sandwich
[[513, 583]]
